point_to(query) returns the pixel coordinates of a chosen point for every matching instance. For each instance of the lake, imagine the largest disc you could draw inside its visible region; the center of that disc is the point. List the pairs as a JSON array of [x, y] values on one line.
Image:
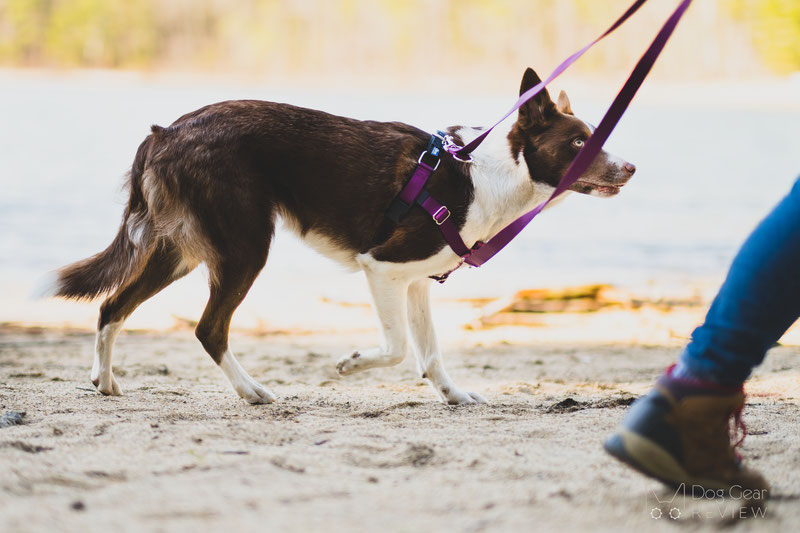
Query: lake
[[708, 169]]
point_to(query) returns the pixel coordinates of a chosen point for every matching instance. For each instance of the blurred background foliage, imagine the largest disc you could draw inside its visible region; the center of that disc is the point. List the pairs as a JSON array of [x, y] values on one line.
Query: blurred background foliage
[[391, 38], [776, 30]]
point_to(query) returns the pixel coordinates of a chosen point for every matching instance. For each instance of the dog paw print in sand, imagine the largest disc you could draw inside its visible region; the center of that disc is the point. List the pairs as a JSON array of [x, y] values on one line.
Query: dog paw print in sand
[[413, 455]]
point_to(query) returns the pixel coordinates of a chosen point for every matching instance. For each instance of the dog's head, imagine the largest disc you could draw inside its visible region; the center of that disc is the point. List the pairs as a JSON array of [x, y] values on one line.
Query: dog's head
[[548, 136]]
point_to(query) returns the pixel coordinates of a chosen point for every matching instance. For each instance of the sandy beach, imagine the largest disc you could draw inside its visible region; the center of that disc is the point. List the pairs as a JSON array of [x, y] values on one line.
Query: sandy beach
[[377, 451], [374, 451], [561, 333]]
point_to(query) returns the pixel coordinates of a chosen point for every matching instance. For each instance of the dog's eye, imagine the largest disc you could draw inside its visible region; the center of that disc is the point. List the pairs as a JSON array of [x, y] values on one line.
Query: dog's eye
[[577, 142]]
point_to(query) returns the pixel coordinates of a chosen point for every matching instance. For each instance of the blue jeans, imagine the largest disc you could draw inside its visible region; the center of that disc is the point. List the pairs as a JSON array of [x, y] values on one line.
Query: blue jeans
[[758, 302]]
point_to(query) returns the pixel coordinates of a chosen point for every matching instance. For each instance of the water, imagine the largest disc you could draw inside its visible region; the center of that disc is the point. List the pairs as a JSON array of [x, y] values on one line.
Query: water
[[706, 175]]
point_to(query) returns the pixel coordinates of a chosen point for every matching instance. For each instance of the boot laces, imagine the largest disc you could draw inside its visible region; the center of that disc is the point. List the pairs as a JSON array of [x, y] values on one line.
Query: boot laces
[[739, 430]]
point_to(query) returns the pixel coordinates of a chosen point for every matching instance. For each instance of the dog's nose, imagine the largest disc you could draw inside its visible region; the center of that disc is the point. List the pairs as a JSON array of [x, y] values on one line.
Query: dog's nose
[[629, 168]]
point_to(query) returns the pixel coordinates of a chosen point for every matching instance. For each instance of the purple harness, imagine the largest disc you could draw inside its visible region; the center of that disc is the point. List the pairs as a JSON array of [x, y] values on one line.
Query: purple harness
[[480, 252]]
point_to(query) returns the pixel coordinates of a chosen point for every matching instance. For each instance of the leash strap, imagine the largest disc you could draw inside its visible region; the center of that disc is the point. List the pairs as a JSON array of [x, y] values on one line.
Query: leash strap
[[481, 252], [594, 144], [463, 153]]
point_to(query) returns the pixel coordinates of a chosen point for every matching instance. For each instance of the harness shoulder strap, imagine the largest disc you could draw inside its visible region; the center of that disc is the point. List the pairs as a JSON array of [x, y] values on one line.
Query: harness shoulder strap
[[427, 163]]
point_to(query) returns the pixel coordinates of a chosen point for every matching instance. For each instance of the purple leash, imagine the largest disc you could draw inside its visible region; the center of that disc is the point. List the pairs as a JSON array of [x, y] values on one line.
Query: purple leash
[[462, 153], [481, 252], [594, 144]]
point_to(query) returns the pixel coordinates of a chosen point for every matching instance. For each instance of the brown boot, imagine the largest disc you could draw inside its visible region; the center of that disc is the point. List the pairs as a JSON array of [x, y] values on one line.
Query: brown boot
[[680, 433]]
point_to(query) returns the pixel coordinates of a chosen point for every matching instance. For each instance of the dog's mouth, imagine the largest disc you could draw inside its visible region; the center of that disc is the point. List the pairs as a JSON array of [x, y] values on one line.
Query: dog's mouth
[[598, 189]]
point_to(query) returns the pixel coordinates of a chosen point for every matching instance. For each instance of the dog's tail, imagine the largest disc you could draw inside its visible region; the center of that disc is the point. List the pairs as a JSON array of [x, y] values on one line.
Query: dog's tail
[[90, 278]]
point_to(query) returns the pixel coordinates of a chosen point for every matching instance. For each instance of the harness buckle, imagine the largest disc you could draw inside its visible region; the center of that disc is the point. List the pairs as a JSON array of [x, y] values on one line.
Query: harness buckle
[[420, 162], [442, 210]]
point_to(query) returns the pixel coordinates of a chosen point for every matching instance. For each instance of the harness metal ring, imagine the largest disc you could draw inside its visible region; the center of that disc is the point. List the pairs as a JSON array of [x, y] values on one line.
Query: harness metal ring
[[419, 161]]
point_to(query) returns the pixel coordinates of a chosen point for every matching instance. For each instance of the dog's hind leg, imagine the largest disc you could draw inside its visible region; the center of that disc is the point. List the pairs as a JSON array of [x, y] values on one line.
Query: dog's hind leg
[[231, 279], [389, 294], [429, 359], [164, 266]]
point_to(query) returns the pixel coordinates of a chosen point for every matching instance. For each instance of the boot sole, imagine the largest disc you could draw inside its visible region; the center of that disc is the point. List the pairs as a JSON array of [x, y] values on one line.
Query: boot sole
[[652, 460]]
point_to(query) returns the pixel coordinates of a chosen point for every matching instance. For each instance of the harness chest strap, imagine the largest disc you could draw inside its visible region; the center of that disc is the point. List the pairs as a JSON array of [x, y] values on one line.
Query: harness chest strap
[[413, 193], [441, 216]]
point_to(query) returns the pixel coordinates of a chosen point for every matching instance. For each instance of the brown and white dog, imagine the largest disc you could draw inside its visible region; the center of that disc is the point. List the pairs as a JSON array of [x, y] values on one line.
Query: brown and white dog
[[210, 187]]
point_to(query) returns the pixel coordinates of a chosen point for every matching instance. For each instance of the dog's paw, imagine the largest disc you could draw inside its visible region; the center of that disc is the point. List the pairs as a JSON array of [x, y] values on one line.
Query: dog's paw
[[107, 387], [454, 396], [349, 364], [366, 359], [254, 392]]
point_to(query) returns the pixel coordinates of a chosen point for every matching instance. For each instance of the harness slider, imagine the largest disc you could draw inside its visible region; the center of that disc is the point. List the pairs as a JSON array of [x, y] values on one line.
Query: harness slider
[[441, 211]]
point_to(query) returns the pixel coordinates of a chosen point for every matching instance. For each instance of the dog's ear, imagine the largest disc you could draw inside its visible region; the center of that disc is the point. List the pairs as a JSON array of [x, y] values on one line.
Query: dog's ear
[[563, 104], [538, 109]]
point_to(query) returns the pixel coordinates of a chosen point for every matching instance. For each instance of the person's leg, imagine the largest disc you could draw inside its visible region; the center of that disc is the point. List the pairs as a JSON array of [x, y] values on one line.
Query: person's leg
[[679, 432], [758, 302]]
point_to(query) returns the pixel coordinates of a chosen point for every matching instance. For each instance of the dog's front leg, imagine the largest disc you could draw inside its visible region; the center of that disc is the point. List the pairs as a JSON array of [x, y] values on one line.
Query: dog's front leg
[[389, 294], [429, 358]]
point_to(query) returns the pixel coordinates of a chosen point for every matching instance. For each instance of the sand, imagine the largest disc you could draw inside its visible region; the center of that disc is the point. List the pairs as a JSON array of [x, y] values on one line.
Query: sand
[[371, 452]]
